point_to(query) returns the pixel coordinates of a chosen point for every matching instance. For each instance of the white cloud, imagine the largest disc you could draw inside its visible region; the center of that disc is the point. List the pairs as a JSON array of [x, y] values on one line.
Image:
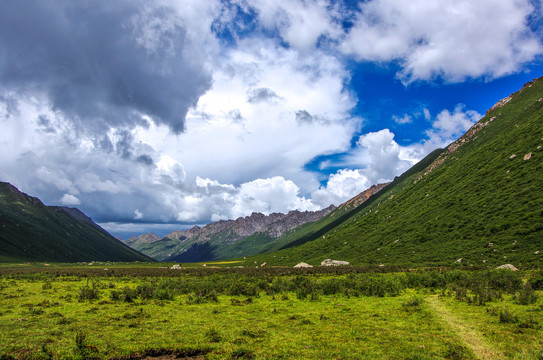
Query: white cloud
[[269, 195], [138, 215], [448, 126], [453, 39], [378, 158], [69, 199], [401, 120], [300, 23], [229, 129], [341, 186]]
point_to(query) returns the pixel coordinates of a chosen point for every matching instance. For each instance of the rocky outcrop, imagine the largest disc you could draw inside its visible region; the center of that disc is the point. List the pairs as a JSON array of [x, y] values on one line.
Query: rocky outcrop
[[507, 267], [329, 262], [362, 197], [303, 265], [274, 225], [148, 238]]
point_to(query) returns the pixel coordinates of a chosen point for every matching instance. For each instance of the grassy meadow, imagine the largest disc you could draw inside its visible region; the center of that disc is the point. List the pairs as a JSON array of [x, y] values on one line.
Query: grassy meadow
[[148, 312]]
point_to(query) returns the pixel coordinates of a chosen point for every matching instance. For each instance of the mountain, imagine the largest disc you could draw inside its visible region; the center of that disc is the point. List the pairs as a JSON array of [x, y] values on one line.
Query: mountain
[[479, 201], [219, 240], [31, 231]]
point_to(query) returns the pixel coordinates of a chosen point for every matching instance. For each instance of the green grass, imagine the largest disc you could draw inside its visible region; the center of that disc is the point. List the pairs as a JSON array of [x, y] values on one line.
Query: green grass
[[216, 315]]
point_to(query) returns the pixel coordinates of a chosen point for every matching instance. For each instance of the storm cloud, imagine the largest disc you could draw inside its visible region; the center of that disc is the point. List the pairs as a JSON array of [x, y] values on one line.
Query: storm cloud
[[82, 57]]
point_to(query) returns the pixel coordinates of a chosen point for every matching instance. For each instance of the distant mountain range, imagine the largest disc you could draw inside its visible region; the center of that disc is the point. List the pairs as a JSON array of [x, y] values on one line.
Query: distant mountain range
[[244, 236], [31, 231], [215, 240], [478, 202]]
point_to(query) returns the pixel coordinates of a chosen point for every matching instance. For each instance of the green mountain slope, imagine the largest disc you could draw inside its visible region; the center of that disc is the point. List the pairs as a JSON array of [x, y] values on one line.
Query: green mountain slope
[[31, 231], [479, 200]]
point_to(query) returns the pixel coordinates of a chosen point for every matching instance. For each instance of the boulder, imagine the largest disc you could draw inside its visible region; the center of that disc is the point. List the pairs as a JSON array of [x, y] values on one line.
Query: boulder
[[508, 267], [176, 267], [303, 265], [329, 262]]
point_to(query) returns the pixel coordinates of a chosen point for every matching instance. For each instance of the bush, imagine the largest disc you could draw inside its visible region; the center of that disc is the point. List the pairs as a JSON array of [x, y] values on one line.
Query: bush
[[83, 350], [243, 288], [213, 336], [242, 354], [507, 318], [536, 281], [526, 295], [88, 293]]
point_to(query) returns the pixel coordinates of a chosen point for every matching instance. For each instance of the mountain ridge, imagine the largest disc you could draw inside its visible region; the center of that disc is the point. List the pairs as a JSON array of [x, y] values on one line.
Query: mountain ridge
[[32, 231], [223, 232]]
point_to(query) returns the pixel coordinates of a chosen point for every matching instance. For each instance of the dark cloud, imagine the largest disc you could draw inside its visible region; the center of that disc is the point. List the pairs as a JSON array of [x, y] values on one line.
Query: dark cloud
[[102, 63], [145, 159], [236, 116], [45, 123], [10, 103], [260, 95], [303, 117]]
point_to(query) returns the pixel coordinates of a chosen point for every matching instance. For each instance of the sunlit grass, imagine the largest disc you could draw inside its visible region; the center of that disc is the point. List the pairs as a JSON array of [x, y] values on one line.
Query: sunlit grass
[[42, 315]]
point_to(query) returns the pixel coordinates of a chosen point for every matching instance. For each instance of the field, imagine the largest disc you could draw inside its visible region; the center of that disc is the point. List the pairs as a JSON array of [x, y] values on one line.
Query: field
[[147, 312]]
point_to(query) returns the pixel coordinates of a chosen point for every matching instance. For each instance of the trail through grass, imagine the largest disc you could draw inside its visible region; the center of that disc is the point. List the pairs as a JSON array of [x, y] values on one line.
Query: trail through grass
[[469, 335]]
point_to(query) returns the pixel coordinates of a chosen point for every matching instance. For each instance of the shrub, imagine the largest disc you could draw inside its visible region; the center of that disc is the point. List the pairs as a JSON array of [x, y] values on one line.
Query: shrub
[[413, 304], [507, 318], [536, 281], [213, 336], [128, 294], [242, 354], [526, 295], [243, 288], [88, 293], [83, 350]]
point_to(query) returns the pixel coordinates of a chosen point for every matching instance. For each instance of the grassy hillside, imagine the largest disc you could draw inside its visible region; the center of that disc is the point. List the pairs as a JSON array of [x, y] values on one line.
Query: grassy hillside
[[478, 201], [31, 231]]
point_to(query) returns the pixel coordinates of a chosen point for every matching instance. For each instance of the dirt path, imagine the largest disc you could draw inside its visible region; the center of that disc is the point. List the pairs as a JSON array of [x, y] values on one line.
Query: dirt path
[[469, 335]]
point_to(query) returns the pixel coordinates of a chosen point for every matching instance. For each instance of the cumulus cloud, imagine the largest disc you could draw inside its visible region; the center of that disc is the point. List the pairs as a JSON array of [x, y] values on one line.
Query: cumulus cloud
[[450, 39], [82, 58], [138, 215], [341, 186], [261, 94], [378, 158], [263, 139], [448, 126], [300, 23]]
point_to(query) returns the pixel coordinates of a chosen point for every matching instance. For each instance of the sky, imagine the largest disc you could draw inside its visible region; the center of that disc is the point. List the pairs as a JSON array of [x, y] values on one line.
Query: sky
[[151, 116]]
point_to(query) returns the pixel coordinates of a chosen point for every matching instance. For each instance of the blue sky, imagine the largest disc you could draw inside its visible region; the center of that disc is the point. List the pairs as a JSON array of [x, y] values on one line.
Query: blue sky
[[154, 116]]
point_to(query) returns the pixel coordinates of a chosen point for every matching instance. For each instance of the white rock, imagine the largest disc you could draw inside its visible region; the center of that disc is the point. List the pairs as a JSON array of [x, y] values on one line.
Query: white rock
[[329, 262], [176, 267], [508, 267], [303, 265]]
